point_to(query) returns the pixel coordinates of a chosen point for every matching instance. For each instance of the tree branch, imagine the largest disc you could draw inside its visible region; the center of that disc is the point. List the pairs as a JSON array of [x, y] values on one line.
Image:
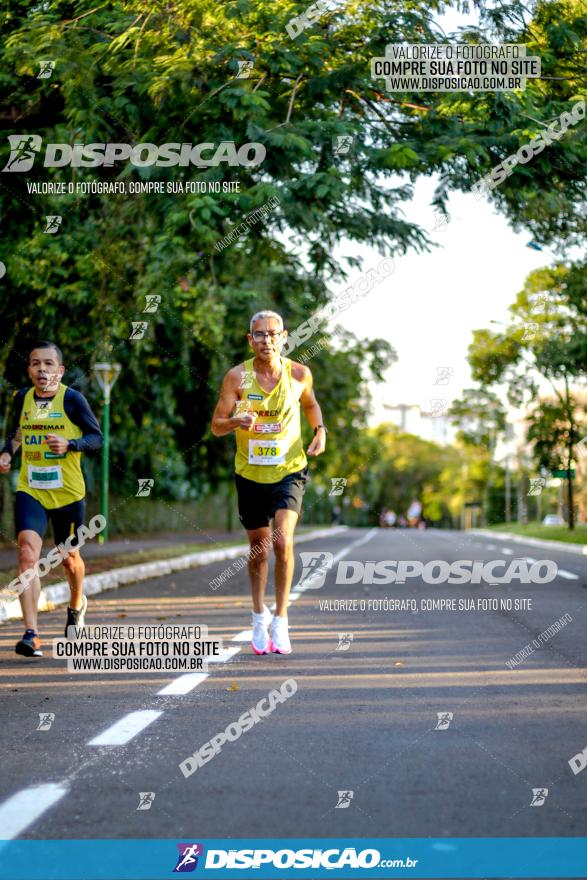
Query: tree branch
[[290, 107], [83, 15], [134, 63]]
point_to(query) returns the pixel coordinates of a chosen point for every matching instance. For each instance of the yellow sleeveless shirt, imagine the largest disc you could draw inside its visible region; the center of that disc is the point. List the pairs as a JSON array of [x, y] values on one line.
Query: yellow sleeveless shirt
[[54, 480], [273, 448]]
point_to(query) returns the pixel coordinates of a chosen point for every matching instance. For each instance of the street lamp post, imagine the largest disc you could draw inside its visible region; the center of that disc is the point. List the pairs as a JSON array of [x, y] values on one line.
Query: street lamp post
[[106, 375]]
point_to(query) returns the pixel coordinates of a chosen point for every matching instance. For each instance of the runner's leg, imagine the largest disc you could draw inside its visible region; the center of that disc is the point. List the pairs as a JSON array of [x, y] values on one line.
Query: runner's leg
[[29, 552], [74, 572], [66, 521], [283, 545], [258, 565]]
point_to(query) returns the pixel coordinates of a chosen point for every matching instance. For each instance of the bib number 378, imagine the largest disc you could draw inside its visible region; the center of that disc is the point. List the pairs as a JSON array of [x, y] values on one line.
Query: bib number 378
[[266, 452]]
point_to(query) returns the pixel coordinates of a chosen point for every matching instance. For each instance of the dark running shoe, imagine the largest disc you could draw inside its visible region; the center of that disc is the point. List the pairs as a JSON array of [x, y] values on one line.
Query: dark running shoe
[[29, 645], [75, 618]]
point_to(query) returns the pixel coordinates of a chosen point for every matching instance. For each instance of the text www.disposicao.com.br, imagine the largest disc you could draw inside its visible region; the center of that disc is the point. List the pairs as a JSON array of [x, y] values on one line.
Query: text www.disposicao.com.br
[[133, 664]]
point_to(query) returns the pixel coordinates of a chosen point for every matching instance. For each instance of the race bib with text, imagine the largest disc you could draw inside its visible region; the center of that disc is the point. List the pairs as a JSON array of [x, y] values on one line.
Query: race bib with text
[[45, 477], [267, 452]]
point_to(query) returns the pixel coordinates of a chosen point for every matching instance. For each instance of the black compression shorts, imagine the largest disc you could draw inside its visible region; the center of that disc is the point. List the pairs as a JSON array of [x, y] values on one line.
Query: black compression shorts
[[30, 514]]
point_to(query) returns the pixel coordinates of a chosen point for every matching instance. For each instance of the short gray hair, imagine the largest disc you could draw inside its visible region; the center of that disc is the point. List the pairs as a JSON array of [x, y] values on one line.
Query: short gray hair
[[265, 314]]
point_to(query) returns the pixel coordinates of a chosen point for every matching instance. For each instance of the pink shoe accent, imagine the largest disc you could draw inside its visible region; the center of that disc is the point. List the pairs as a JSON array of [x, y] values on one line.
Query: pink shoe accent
[[260, 652], [276, 650]]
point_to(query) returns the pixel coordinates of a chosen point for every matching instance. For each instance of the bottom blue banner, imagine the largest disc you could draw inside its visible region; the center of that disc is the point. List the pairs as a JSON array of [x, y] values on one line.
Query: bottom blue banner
[[304, 858]]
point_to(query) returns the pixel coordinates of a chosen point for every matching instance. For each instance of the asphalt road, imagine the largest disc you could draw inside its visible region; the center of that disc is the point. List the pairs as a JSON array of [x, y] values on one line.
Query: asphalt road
[[362, 720]]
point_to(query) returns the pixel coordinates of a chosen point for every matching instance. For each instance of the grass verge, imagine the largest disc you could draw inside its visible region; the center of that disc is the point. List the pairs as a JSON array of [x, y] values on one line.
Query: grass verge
[[552, 533]]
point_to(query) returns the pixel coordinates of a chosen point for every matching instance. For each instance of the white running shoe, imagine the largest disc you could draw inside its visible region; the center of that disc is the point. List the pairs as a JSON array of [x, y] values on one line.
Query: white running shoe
[[260, 642], [280, 643]]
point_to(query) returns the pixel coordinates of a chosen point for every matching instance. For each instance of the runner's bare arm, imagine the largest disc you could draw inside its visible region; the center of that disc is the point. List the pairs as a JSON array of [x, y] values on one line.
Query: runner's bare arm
[[222, 420], [311, 409]]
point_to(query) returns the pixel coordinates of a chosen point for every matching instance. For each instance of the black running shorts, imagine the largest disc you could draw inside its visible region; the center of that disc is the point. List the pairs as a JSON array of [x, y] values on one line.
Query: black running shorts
[[257, 502], [30, 514]]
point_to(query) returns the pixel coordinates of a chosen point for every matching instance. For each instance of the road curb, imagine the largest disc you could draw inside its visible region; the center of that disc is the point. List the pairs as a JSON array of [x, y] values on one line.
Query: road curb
[[130, 574], [580, 549]]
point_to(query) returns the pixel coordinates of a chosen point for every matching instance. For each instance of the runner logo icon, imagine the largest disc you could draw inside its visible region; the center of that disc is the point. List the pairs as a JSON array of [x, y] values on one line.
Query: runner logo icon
[[344, 641], [146, 799], [444, 719], [145, 486], [138, 329], [46, 719], [344, 800], [314, 569], [53, 222], [153, 301], [338, 485], [539, 795], [187, 860], [46, 69], [244, 69], [342, 144], [23, 150]]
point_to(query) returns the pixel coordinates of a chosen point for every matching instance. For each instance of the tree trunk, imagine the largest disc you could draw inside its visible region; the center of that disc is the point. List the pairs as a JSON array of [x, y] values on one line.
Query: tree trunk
[[570, 495]]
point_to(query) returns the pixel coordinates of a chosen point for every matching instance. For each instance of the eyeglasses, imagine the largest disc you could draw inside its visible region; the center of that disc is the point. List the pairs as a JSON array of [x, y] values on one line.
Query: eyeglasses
[[259, 335]]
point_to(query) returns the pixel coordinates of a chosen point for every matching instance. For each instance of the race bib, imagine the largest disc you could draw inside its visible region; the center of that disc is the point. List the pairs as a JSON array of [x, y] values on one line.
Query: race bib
[[267, 452], [45, 477]]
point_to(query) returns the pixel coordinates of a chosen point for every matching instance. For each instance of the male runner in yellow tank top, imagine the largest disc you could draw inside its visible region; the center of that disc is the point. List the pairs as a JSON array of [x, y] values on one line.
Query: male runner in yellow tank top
[[260, 400], [55, 425]]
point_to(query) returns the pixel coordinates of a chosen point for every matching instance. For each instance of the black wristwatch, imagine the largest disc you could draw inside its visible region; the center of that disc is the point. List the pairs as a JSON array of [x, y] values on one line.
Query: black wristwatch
[[317, 428]]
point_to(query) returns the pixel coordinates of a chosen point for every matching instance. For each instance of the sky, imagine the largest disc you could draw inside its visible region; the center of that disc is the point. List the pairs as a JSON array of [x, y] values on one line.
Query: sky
[[428, 308]]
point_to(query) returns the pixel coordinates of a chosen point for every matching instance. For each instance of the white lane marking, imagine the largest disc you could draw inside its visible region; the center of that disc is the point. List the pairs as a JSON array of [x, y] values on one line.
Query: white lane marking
[[25, 807], [491, 547], [507, 551], [352, 546], [183, 684], [225, 654], [562, 571], [245, 636], [307, 584], [123, 731]]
